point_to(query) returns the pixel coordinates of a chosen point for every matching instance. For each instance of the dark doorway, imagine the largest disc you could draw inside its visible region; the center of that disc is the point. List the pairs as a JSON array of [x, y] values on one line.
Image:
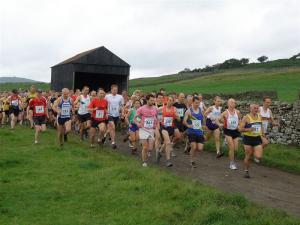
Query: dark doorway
[[95, 81]]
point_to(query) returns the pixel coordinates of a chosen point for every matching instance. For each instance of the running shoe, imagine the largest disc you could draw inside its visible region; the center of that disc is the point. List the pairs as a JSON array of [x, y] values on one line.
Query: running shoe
[[144, 164], [246, 174], [114, 146], [220, 154], [232, 166], [169, 163], [193, 165], [256, 160]]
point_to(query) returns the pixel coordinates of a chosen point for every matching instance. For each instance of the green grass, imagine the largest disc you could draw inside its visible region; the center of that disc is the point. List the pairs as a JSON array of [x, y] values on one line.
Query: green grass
[[284, 157], [285, 81], [23, 86], [41, 184]]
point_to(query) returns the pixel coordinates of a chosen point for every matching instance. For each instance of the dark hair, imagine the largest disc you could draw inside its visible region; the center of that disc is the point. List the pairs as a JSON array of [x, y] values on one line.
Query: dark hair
[[195, 94], [149, 96], [159, 94], [195, 98], [266, 97], [162, 89]]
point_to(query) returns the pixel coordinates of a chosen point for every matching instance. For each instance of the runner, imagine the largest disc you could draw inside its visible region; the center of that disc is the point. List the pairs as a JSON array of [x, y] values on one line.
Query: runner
[[231, 118], [193, 120], [213, 114], [5, 109], [146, 119], [251, 126], [30, 95], [63, 106], [15, 106], [202, 104], [98, 108], [267, 118], [133, 128], [115, 105], [39, 107], [83, 115], [168, 130]]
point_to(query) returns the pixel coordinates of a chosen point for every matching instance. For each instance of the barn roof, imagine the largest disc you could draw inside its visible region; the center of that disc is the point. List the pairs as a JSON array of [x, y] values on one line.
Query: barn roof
[[97, 56]]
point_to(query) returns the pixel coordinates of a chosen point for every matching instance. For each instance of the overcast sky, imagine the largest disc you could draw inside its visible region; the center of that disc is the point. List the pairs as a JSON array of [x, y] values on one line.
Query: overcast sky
[[154, 36]]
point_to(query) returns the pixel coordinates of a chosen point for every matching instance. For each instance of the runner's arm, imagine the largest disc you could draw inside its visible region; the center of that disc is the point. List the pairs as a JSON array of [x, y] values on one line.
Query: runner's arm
[[186, 117]]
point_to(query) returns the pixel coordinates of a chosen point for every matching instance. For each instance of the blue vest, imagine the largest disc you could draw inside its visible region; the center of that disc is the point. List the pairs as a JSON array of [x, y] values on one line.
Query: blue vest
[[195, 116]]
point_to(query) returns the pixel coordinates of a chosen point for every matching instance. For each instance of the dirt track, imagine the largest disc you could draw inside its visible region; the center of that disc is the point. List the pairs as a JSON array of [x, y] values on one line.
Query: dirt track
[[268, 186]]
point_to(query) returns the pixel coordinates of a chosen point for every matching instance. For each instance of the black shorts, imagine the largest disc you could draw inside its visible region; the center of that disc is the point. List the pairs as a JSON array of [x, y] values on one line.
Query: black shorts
[[39, 120], [170, 130], [15, 111], [6, 112], [95, 123], [182, 128], [252, 141], [232, 133], [114, 119], [62, 121], [199, 139], [83, 118]]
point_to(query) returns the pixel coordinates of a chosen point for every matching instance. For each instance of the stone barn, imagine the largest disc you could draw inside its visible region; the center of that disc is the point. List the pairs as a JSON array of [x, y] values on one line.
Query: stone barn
[[95, 68]]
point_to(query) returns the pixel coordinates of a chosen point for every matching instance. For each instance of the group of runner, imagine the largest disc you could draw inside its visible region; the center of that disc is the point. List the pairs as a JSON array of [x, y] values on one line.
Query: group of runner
[[157, 120]]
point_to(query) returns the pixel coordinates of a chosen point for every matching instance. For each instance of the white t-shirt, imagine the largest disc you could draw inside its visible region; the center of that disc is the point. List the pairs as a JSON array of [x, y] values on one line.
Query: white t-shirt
[[114, 104]]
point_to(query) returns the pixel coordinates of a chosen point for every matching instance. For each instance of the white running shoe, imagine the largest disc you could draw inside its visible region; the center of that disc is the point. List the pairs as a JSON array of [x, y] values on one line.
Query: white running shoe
[[256, 160], [144, 164], [35, 142], [232, 166]]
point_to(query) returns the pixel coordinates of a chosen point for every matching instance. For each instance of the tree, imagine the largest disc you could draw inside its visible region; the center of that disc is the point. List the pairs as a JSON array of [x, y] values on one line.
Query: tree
[[244, 61], [231, 63], [262, 59]]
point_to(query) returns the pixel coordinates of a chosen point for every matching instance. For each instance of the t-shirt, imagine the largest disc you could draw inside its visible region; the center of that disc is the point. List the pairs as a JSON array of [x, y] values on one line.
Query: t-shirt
[[114, 104], [148, 116], [39, 106], [100, 113]]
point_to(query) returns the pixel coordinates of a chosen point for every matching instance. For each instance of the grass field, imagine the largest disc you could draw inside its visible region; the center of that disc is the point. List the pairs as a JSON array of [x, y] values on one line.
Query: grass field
[[285, 81], [42, 184]]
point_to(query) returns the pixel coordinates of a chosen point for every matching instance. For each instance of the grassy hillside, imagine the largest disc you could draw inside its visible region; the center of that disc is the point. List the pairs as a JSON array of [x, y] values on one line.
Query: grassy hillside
[[23, 86], [42, 184], [286, 81]]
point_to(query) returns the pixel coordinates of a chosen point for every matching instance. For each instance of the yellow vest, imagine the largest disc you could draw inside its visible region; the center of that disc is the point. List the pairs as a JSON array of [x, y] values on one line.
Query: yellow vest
[[256, 124]]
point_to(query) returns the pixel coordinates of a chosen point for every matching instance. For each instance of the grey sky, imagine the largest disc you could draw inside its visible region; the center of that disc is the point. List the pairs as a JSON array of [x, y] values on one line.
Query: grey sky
[[154, 37]]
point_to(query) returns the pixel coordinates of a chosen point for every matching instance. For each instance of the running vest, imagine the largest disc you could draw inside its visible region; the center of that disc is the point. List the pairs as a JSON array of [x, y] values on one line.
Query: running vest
[[215, 113], [265, 116], [65, 106], [168, 117], [195, 119], [256, 124], [132, 115], [231, 122], [14, 101], [83, 105]]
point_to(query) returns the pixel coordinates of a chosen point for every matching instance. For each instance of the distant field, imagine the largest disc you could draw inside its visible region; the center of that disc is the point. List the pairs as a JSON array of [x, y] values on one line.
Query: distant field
[[23, 86], [285, 81]]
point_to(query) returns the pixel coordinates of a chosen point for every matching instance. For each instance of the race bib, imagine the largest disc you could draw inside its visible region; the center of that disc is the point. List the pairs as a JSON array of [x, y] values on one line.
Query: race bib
[[99, 114], [39, 109], [197, 124], [257, 128], [114, 109], [265, 125], [168, 121], [15, 102], [149, 123], [232, 123], [65, 111], [180, 112]]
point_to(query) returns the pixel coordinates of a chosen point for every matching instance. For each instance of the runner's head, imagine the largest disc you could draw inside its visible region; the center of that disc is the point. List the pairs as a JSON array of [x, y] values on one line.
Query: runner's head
[[195, 102], [114, 89], [101, 93], [170, 101], [159, 98], [162, 91], [137, 93], [136, 104], [65, 92], [231, 103], [189, 99], [181, 98], [93, 94], [39, 93], [200, 97], [217, 101], [32, 89], [267, 101], [254, 108], [85, 90], [150, 100], [15, 91]]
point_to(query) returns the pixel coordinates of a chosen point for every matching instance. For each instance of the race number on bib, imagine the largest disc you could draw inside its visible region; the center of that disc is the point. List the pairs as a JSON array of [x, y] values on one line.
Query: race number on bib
[[180, 112], [15, 102], [39, 109], [196, 124], [65, 111], [232, 123], [168, 121], [114, 109], [257, 128], [149, 123], [99, 114]]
